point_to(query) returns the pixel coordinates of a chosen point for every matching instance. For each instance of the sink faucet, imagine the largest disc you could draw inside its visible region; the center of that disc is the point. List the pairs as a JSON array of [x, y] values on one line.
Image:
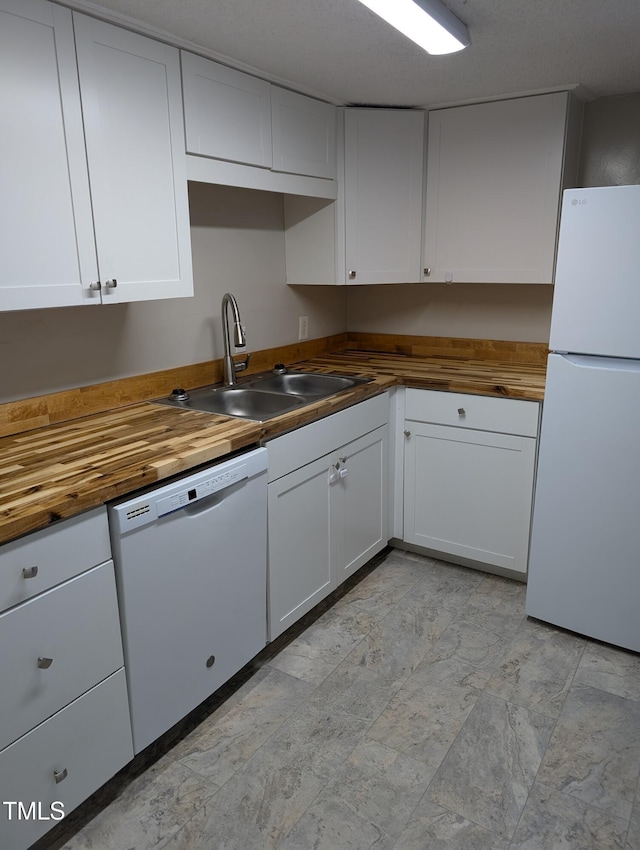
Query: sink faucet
[[239, 340]]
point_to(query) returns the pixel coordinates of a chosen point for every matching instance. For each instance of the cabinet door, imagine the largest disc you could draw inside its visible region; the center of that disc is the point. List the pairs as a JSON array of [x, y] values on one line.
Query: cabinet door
[[227, 114], [494, 179], [468, 493], [359, 503], [384, 154], [46, 231], [304, 134], [132, 110], [300, 543]]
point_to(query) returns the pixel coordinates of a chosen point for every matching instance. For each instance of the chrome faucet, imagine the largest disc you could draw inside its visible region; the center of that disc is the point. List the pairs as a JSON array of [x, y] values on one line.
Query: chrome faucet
[[239, 340]]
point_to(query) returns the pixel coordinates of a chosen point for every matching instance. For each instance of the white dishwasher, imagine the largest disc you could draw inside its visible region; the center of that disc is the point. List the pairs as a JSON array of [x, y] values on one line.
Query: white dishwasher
[[191, 573]]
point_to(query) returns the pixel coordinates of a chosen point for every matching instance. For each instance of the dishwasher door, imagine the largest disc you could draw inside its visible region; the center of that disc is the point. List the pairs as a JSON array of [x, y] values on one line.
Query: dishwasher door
[[190, 563]]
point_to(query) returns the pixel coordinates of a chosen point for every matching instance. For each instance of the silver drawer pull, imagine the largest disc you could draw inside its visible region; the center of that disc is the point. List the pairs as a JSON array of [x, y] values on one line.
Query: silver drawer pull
[[462, 411], [29, 572], [352, 274], [44, 663], [111, 284], [407, 433], [95, 286], [60, 775]]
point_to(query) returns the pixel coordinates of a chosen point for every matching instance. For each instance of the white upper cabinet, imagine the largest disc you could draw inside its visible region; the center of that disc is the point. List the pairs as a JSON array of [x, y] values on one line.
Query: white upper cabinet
[[384, 160], [227, 114], [132, 108], [304, 134], [495, 173], [46, 228], [118, 231]]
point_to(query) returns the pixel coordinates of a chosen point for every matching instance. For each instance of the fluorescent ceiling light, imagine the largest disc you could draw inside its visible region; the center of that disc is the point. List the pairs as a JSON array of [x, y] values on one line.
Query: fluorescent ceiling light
[[427, 22]]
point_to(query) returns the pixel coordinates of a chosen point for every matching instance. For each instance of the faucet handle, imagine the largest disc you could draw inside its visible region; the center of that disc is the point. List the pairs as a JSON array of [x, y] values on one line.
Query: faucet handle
[[241, 365]]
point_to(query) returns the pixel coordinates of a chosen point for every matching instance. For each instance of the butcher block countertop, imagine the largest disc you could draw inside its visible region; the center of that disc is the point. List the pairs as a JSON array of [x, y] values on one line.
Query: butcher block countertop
[[60, 470]]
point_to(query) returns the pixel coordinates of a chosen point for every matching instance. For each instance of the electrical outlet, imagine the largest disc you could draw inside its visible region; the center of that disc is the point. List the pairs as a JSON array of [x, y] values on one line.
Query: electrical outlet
[[303, 327]]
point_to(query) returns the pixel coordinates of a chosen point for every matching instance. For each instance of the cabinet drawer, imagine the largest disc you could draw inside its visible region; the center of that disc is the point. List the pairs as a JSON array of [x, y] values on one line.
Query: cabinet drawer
[[90, 740], [45, 558], [483, 413], [76, 627]]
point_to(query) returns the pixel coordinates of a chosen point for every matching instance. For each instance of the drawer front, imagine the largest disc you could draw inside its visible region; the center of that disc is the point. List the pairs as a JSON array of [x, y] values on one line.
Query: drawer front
[[305, 444], [90, 740], [484, 413], [55, 647], [45, 558]]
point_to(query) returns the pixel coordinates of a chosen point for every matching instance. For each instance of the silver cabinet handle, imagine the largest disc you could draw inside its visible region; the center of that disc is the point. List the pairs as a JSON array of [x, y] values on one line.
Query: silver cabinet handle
[[111, 284], [44, 663], [343, 472], [95, 286], [29, 572], [60, 775], [426, 271], [462, 411], [352, 275], [407, 433]]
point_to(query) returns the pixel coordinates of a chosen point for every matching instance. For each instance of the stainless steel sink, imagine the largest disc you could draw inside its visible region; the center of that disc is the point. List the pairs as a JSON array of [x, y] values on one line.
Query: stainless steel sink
[[243, 402], [306, 383], [263, 396]]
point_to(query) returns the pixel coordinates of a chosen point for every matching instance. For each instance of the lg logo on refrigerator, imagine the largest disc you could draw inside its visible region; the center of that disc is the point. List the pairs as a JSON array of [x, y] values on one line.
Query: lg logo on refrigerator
[[577, 202]]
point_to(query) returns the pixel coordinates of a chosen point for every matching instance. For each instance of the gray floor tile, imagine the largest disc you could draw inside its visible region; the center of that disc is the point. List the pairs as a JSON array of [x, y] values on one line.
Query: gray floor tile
[[488, 772], [148, 812], [259, 805], [466, 640], [220, 745], [633, 836], [538, 668], [424, 717], [610, 669], [554, 821], [394, 646], [324, 645], [365, 805], [353, 689], [382, 589], [594, 754], [434, 828]]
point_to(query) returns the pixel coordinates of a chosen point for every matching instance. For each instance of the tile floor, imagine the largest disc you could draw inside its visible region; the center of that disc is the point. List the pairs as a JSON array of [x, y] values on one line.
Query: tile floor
[[422, 711]]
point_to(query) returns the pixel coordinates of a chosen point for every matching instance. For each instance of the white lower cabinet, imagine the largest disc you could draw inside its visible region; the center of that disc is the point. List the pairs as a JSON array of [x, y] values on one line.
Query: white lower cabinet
[[52, 769], [327, 507], [64, 716], [469, 466]]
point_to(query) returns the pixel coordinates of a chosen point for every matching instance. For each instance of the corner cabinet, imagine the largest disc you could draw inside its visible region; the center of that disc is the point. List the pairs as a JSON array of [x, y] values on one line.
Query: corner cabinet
[[95, 205], [384, 166], [327, 507], [64, 722], [469, 466], [495, 175]]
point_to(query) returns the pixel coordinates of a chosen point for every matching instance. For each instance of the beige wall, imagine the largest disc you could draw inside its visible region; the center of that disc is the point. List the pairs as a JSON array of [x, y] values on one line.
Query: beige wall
[[238, 246], [479, 311]]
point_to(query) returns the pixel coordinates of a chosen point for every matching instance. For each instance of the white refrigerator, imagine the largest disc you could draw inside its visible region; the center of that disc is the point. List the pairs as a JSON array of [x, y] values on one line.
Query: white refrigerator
[[584, 563]]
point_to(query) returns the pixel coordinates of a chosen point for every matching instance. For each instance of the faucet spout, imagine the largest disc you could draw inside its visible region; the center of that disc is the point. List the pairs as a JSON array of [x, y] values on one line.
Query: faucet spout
[[239, 339]]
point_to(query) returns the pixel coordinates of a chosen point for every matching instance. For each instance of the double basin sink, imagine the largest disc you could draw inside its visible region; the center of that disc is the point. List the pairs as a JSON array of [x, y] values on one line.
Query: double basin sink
[[264, 396]]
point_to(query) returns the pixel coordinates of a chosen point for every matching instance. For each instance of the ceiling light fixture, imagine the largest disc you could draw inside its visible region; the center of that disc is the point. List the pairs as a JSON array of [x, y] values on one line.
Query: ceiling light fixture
[[427, 22]]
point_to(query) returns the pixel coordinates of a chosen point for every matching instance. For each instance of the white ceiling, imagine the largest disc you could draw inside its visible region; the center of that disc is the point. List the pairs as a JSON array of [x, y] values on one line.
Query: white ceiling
[[340, 50]]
